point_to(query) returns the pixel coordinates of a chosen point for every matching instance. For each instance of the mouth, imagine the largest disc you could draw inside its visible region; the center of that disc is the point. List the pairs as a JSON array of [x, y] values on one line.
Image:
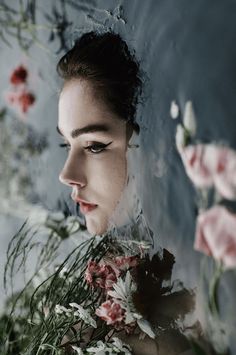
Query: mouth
[[85, 206]]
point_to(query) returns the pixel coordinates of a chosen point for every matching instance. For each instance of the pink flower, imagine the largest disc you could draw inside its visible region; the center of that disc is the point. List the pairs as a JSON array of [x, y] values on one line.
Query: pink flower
[[19, 75], [102, 276], [216, 235], [25, 100], [210, 165], [126, 262], [225, 178], [111, 312]]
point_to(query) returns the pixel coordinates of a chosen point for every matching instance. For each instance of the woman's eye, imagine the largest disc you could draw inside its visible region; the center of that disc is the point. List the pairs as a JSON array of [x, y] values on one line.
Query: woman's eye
[[65, 145], [97, 147]]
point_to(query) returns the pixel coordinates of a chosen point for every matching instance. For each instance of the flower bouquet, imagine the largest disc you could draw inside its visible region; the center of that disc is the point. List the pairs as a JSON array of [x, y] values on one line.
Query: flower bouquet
[[108, 296], [79, 306]]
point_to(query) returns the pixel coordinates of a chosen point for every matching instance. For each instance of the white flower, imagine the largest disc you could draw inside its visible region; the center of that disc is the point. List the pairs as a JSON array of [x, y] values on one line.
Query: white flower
[[180, 137], [61, 309], [145, 326], [37, 216], [123, 290], [174, 110], [73, 224], [100, 349], [117, 343], [122, 293], [78, 350], [83, 314], [189, 119], [115, 347]]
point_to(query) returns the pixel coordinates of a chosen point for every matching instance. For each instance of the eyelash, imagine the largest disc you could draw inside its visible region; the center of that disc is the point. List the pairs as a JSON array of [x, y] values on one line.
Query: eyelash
[[101, 146]]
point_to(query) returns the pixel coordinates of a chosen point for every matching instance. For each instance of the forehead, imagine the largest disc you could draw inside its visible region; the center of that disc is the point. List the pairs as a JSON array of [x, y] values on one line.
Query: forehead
[[78, 106]]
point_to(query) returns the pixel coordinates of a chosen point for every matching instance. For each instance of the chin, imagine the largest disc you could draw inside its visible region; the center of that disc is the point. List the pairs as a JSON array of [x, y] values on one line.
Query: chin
[[95, 227]]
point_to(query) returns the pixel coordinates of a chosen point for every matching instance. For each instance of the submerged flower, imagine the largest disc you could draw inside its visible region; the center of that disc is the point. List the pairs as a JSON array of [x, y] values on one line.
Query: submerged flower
[[19, 75], [111, 312], [210, 165], [216, 235]]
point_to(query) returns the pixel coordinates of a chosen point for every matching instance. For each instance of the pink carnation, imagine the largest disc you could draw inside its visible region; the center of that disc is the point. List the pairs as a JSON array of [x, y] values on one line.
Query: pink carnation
[[126, 262], [102, 276], [216, 235], [210, 165], [111, 312]]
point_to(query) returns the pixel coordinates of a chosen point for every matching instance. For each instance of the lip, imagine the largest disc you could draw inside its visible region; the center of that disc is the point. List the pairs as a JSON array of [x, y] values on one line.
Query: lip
[[85, 206]]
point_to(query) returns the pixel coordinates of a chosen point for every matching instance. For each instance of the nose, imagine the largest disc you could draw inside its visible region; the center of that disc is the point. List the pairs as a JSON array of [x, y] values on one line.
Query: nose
[[73, 173]]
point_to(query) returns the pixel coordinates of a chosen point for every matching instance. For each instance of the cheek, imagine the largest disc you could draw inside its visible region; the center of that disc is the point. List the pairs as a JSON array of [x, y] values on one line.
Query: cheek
[[110, 177]]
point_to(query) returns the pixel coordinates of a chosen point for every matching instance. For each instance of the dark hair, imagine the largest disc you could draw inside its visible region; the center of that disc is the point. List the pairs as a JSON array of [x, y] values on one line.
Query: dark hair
[[106, 61]]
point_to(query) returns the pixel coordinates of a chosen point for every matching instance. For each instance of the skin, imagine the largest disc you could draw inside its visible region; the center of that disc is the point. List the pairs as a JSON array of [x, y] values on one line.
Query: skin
[[97, 175]]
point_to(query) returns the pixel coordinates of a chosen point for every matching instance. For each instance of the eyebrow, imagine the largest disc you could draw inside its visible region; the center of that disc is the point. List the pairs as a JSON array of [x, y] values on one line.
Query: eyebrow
[[86, 129]]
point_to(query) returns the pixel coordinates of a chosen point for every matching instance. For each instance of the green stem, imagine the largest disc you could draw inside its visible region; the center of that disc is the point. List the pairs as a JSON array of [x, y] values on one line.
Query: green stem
[[214, 283]]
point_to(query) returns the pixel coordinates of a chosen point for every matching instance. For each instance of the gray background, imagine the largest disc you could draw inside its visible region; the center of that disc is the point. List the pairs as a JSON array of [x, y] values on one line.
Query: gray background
[[187, 50]]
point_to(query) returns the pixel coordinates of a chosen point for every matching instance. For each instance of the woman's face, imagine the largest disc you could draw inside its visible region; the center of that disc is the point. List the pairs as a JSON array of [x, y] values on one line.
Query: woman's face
[[96, 164]]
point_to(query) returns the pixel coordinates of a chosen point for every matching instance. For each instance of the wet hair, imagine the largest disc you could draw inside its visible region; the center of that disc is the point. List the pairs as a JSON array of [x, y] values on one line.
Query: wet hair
[[105, 60]]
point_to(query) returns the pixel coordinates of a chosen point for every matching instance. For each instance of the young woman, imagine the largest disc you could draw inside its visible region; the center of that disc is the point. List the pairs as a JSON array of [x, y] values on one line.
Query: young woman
[[97, 108]]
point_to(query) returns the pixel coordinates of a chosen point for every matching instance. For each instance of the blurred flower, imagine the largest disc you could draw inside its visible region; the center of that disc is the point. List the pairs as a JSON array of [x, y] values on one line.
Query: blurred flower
[[62, 226], [225, 177], [189, 119], [25, 100], [174, 110], [199, 162], [216, 235], [180, 137], [111, 312], [208, 165], [19, 75]]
